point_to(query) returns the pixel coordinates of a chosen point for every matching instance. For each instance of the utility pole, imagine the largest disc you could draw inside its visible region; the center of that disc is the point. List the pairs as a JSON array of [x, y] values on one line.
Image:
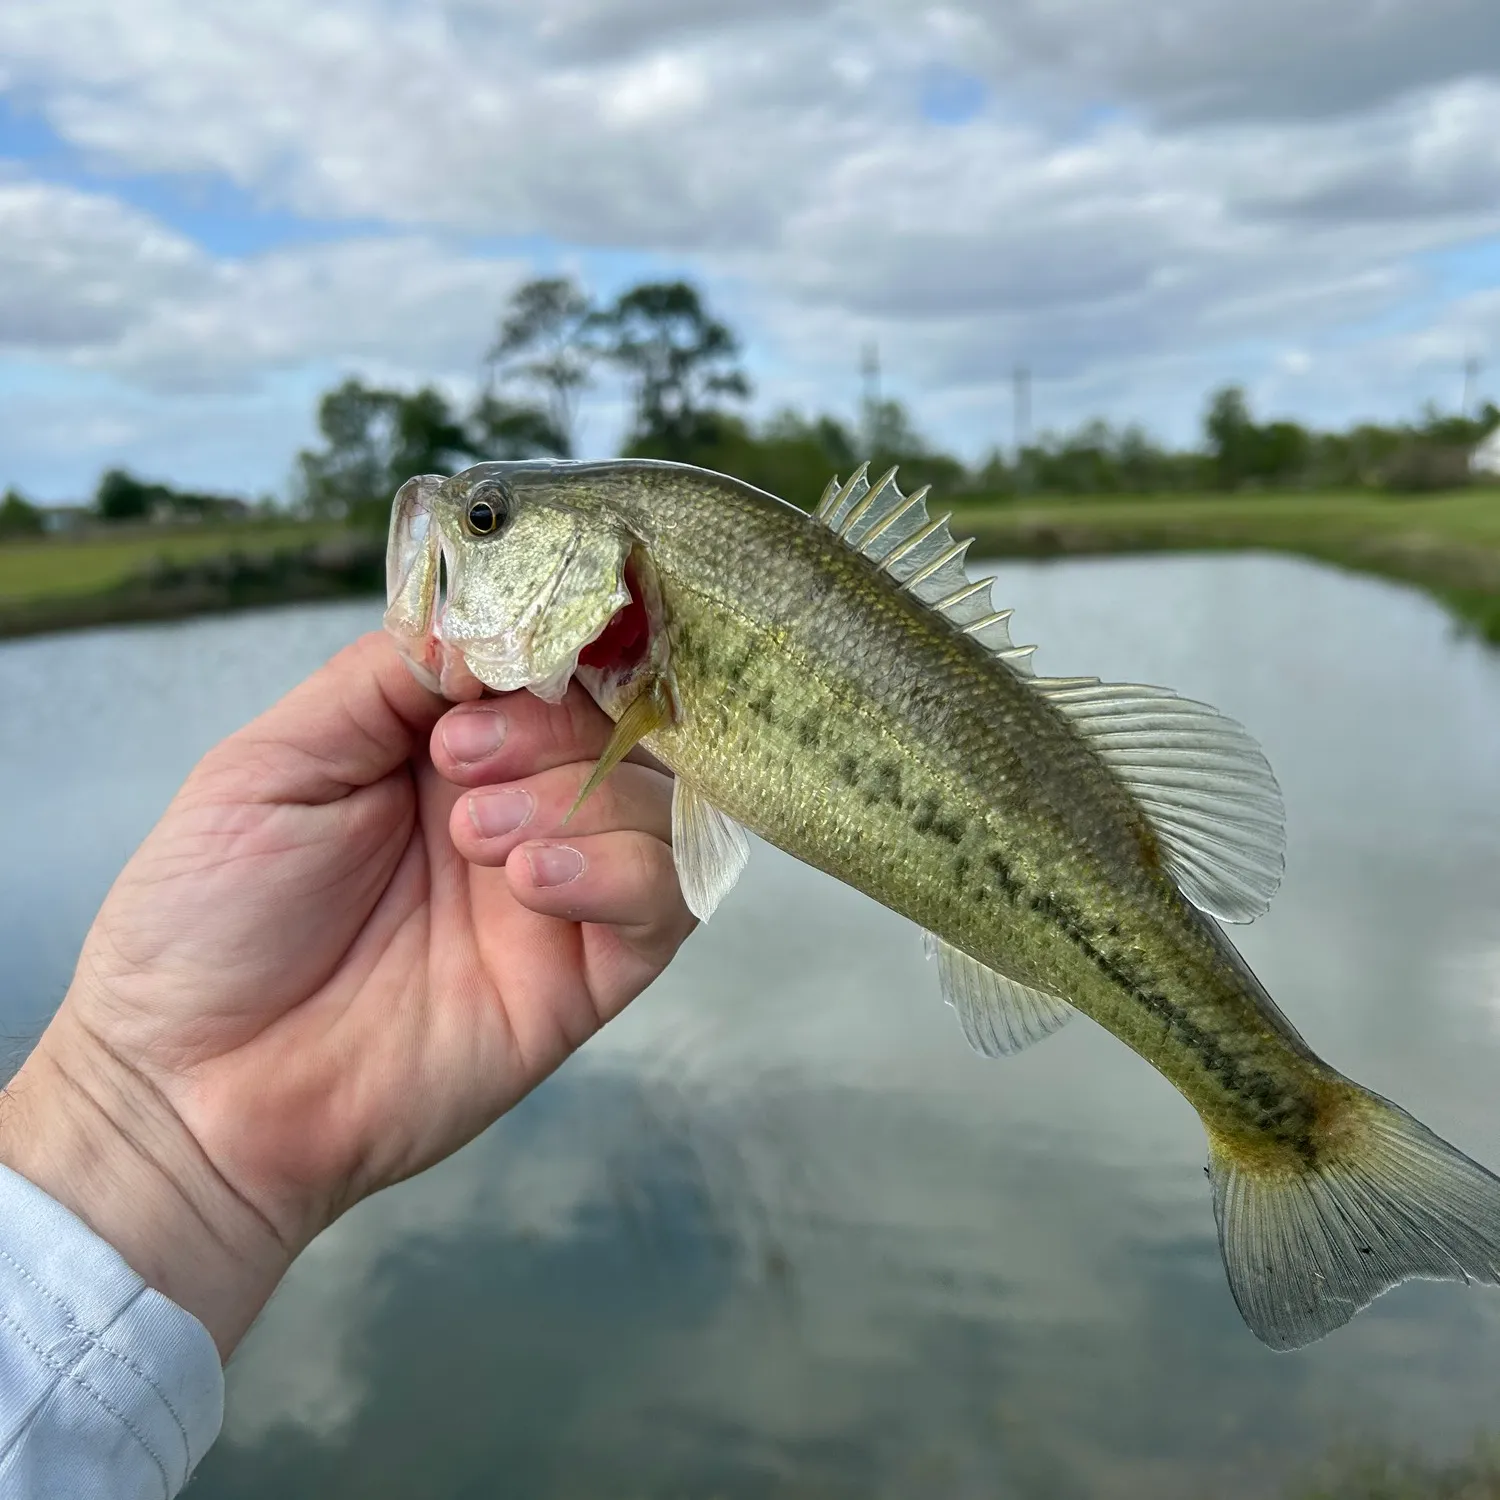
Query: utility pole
[[1021, 421], [1471, 379], [869, 371]]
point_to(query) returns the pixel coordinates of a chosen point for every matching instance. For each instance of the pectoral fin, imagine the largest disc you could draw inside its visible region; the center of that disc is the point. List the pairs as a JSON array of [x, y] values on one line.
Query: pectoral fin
[[647, 712]]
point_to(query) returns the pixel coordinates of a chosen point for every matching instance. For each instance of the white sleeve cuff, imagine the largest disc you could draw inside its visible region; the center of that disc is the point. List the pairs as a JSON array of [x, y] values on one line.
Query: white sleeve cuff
[[107, 1388]]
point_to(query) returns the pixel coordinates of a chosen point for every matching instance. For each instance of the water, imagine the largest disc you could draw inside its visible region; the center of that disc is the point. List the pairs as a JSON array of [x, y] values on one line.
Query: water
[[777, 1232]]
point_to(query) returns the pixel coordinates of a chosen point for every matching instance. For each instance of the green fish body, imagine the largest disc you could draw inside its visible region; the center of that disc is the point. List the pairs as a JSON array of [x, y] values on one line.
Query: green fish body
[[837, 685]]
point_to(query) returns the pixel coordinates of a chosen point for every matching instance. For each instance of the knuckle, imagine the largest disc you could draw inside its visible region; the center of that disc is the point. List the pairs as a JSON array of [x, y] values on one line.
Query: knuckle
[[647, 865]]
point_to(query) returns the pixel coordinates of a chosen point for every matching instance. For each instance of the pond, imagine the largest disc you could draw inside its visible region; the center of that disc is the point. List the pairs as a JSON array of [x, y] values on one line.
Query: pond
[[778, 1231]]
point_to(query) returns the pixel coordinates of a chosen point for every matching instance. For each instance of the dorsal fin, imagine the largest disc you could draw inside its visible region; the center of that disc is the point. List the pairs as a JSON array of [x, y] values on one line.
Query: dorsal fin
[[921, 554], [1199, 778]]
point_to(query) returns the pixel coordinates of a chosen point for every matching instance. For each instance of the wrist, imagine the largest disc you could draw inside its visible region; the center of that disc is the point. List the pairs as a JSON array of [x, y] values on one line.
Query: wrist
[[98, 1137]]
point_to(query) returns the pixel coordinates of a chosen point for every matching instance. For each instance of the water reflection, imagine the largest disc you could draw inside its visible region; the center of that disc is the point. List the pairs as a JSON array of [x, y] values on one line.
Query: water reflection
[[777, 1231]]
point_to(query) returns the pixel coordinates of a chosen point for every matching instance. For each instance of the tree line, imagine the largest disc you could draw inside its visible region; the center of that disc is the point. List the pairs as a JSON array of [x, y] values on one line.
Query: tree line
[[682, 366]]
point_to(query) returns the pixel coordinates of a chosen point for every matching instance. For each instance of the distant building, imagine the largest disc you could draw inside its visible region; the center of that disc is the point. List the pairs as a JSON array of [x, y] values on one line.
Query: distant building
[[1485, 459], [57, 519], [175, 506]]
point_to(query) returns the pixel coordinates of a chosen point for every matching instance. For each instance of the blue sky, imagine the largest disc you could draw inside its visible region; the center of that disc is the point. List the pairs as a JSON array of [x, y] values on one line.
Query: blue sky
[[208, 214]]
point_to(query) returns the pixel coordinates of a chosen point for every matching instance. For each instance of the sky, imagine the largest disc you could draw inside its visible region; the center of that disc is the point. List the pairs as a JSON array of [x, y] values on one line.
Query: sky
[[211, 211]]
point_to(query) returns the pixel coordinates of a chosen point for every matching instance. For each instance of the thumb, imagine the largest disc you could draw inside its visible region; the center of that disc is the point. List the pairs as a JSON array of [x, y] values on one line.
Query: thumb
[[351, 723]]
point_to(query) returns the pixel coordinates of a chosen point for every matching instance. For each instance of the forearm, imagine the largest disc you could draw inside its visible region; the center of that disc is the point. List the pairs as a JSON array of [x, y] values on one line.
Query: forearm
[[106, 1144]]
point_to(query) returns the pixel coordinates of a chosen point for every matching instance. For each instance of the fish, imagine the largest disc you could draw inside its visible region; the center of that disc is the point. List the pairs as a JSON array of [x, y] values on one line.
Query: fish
[[834, 682]]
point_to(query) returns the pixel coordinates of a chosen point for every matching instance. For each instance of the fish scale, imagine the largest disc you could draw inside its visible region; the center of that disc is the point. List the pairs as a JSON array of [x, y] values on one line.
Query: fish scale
[[980, 761], [838, 685]]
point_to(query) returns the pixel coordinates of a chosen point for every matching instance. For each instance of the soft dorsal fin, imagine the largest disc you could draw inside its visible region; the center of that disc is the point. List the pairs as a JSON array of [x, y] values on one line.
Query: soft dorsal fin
[[1199, 777], [999, 1015], [895, 531]]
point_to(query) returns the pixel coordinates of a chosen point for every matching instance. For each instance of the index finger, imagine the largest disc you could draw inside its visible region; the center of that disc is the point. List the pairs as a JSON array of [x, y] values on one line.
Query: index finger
[[516, 735]]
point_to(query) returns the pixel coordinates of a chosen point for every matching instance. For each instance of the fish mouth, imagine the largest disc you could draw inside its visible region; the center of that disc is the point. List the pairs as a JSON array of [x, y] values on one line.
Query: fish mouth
[[414, 593]]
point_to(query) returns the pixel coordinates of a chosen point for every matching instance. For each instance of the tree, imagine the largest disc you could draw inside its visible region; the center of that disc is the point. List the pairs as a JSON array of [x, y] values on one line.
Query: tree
[[501, 429], [1282, 453], [548, 341], [426, 436], [18, 516], [352, 472], [375, 439], [681, 360], [1231, 435], [122, 497]]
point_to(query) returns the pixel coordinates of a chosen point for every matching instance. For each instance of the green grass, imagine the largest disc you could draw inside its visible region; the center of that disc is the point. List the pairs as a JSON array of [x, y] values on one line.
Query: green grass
[[1446, 544], [56, 567]]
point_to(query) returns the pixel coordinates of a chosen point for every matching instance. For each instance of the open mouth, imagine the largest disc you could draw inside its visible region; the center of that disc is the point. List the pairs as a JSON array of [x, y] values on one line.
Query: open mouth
[[414, 593]]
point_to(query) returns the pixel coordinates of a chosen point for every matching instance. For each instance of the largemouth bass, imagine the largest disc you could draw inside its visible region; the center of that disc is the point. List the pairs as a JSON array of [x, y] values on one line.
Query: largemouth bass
[[836, 683]]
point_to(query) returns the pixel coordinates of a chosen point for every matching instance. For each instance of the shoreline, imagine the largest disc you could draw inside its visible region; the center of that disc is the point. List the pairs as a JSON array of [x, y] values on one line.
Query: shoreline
[[1460, 573], [342, 567], [1449, 547]]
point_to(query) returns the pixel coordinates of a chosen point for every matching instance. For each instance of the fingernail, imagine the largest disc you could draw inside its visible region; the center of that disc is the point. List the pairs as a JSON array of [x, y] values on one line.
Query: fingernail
[[494, 813], [554, 864], [474, 735]]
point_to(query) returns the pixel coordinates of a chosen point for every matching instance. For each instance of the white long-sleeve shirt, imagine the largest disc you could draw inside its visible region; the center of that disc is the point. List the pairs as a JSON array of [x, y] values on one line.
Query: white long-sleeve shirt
[[107, 1388]]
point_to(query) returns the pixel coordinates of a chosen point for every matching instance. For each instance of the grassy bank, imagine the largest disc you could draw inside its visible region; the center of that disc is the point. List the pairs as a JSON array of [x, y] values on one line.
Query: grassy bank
[[1448, 545], [51, 567], [153, 573]]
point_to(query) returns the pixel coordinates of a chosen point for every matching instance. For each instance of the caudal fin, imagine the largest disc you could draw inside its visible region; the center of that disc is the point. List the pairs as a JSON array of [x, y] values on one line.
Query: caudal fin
[[1307, 1249]]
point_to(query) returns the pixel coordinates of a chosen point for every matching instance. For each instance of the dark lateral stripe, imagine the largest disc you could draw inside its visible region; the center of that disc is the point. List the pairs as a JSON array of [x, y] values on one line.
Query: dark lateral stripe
[[1277, 1110]]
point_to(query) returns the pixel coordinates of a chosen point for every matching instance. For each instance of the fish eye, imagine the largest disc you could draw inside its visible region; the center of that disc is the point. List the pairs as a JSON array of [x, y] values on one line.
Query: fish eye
[[486, 513]]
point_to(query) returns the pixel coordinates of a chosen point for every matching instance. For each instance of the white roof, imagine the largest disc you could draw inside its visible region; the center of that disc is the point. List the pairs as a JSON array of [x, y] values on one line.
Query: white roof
[[1485, 459]]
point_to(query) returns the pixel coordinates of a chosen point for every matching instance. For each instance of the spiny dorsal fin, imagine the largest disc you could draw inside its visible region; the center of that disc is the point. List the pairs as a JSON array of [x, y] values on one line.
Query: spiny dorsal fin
[[921, 554], [1201, 780]]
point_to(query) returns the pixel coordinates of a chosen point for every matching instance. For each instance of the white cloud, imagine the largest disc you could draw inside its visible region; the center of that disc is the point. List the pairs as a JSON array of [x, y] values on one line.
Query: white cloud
[[402, 303], [1149, 193], [75, 268], [86, 278]]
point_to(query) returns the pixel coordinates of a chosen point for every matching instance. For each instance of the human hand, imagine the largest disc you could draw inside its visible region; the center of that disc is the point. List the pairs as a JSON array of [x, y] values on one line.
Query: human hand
[[317, 975]]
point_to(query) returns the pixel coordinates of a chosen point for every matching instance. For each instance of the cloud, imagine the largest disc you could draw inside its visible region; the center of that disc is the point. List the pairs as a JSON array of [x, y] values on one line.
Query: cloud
[[75, 268], [1149, 189], [1223, 59], [406, 304], [87, 279]]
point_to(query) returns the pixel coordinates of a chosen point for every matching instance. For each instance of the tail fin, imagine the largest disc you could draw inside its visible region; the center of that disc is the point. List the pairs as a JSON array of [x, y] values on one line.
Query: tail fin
[[1306, 1250]]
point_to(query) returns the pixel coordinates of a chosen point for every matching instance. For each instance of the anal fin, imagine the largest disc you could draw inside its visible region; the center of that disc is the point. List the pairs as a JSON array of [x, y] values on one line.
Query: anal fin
[[999, 1015], [709, 847]]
